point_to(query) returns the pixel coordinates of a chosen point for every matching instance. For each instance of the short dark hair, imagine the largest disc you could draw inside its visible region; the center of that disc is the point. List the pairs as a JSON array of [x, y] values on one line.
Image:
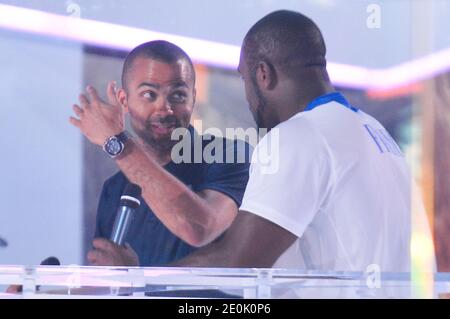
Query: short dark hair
[[287, 39], [158, 50]]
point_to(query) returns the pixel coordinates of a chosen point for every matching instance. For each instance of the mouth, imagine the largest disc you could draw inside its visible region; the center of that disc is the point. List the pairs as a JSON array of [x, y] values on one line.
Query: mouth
[[163, 129]]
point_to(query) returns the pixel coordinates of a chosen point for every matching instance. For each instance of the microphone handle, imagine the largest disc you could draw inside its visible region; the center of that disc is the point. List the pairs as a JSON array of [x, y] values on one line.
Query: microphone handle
[[122, 225]]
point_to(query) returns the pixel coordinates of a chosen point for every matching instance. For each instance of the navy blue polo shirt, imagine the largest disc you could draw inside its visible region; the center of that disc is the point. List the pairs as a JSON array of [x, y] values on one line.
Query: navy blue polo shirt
[[153, 242]]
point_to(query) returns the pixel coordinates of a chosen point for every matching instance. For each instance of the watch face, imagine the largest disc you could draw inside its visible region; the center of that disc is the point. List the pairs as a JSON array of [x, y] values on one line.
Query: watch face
[[113, 146]]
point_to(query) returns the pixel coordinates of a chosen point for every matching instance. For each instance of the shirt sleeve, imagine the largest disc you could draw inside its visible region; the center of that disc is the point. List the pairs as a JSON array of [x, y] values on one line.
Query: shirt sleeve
[[290, 176], [229, 178]]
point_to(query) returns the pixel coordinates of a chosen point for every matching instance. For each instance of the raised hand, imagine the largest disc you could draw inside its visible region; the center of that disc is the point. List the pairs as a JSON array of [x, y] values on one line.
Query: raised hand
[[97, 119]]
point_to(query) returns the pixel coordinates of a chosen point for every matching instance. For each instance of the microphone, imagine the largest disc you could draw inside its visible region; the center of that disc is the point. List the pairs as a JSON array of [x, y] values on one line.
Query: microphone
[[128, 204], [50, 261]]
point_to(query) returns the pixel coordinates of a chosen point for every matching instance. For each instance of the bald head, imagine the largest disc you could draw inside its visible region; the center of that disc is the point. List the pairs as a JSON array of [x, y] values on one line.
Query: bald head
[[287, 39], [159, 50]]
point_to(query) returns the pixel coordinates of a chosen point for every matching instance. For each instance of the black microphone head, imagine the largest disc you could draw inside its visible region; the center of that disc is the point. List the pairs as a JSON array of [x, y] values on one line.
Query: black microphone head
[[132, 190], [51, 261], [130, 196]]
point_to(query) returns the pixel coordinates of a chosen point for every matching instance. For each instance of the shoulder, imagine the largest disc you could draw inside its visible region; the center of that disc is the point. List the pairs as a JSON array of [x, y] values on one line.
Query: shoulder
[[299, 132], [291, 144]]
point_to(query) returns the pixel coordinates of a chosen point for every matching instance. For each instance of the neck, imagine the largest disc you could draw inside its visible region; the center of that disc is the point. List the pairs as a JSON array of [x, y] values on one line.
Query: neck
[[301, 96]]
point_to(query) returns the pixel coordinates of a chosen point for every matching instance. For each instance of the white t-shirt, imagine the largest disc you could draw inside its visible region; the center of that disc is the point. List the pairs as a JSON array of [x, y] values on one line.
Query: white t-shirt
[[338, 181]]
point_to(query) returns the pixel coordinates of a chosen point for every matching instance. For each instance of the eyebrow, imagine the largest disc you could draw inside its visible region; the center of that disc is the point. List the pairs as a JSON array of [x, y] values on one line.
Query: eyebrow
[[178, 84], [155, 86]]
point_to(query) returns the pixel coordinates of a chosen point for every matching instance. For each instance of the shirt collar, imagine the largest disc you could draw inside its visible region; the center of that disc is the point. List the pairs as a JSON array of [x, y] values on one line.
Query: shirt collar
[[330, 97]]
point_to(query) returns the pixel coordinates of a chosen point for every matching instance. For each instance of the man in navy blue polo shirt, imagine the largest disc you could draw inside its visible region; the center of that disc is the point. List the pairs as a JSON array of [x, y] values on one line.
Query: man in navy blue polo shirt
[[184, 205]]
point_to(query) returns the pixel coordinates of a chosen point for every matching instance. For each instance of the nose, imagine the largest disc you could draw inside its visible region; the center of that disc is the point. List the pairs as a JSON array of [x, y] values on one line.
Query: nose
[[164, 107]]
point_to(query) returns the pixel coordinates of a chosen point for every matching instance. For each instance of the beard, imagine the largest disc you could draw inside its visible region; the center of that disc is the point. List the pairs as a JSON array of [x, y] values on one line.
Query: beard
[[157, 132], [261, 107]]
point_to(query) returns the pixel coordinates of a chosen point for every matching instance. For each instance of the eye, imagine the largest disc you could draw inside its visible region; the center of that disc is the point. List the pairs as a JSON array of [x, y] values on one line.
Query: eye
[[178, 97], [149, 95]]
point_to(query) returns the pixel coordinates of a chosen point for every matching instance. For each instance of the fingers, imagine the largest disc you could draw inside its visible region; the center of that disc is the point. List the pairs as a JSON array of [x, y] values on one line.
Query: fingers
[[100, 257], [97, 257], [111, 93], [130, 251], [132, 257], [93, 95], [107, 253], [104, 253], [93, 99], [75, 122], [78, 110], [103, 244], [84, 102]]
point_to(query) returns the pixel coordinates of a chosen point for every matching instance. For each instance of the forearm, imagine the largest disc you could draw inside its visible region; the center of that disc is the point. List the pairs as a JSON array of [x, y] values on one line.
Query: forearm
[[181, 210], [212, 255], [251, 241], [228, 252]]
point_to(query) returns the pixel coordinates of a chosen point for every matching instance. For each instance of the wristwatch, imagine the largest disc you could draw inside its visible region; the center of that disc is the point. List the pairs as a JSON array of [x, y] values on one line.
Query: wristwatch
[[115, 144]]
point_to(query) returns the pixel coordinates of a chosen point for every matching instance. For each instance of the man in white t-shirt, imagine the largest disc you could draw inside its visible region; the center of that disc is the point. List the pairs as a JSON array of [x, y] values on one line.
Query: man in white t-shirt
[[333, 191]]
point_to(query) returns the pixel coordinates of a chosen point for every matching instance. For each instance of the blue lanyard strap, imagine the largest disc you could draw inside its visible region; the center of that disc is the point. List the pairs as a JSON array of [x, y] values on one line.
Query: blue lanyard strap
[[330, 97]]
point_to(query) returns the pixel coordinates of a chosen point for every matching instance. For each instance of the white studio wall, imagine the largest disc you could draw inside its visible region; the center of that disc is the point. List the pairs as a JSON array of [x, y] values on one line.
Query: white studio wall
[[352, 35], [41, 157]]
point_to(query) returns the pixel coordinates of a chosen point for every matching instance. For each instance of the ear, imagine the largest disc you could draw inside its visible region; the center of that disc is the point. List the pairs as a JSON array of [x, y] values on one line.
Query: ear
[[122, 97], [266, 75]]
